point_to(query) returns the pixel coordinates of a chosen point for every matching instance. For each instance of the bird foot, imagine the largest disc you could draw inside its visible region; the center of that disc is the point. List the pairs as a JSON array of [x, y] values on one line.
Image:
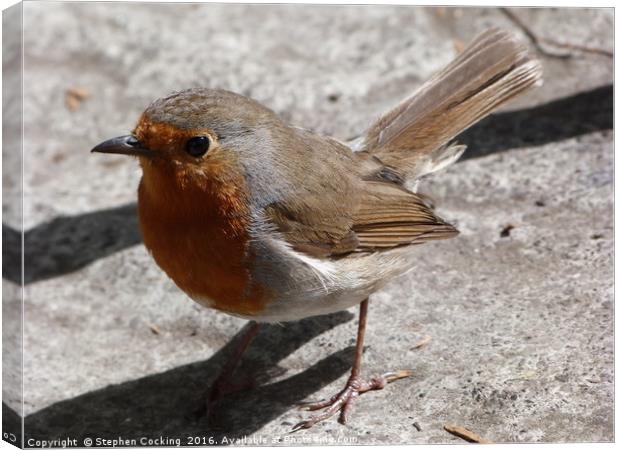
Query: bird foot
[[343, 401]]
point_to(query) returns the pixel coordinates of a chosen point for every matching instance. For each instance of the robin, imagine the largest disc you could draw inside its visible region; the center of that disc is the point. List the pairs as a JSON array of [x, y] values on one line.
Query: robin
[[270, 222]]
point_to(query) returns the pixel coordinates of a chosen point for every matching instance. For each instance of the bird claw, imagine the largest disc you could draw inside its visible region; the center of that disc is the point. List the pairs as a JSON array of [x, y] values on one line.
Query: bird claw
[[343, 401], [313, 406], [393, 376]]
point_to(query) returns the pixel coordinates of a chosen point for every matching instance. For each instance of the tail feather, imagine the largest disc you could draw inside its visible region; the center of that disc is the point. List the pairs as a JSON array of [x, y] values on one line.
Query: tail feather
[[414, 136]]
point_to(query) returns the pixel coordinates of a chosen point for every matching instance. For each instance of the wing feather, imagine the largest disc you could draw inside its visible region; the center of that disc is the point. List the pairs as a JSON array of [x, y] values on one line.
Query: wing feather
[[390, 216], [384, 216]]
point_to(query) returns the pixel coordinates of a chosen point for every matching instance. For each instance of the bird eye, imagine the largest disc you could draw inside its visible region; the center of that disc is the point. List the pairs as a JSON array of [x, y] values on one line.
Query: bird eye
[[197, 146]]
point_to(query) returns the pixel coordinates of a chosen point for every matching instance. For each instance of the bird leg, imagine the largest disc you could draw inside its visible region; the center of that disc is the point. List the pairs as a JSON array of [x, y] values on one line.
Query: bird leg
[[343, 401], [223, 383]]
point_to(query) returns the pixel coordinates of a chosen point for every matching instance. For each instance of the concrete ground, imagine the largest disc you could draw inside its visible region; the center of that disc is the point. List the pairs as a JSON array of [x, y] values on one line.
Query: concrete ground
[[518, 307]]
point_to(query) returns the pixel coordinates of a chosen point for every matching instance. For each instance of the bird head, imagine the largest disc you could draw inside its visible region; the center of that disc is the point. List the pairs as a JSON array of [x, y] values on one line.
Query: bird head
[[199, 138]]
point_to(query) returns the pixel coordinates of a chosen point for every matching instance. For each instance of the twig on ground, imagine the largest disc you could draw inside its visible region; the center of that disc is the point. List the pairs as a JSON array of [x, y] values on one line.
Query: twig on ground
[[422, 342], [581, 48], [537, 41], [465, 434]]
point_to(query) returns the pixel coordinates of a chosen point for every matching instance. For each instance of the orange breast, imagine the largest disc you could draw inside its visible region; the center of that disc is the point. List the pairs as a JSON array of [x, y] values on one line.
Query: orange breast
[[197, 232]]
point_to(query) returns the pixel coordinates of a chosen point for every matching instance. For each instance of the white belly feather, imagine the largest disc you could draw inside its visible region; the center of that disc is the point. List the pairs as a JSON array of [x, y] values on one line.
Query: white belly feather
[[304, 286]]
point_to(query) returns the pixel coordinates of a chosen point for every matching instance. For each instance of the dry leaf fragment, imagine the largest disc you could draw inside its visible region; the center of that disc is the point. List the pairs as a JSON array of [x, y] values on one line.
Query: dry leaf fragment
[[465, 434], [78, 92], [74, 96], [422, 342], [154, 328]]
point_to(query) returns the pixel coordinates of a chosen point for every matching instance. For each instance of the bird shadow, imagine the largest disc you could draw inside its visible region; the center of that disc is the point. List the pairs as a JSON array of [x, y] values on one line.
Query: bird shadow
[[164, 404], [556, 120], [68, 243]]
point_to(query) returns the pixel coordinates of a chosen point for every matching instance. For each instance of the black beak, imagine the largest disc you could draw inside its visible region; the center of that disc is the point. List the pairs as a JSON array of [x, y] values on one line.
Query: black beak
[[123, 145]]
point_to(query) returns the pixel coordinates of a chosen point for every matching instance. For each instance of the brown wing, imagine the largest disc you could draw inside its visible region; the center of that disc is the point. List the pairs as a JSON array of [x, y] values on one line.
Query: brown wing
[[382, 216], [320, 232], [390, 216], [348, 202]]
